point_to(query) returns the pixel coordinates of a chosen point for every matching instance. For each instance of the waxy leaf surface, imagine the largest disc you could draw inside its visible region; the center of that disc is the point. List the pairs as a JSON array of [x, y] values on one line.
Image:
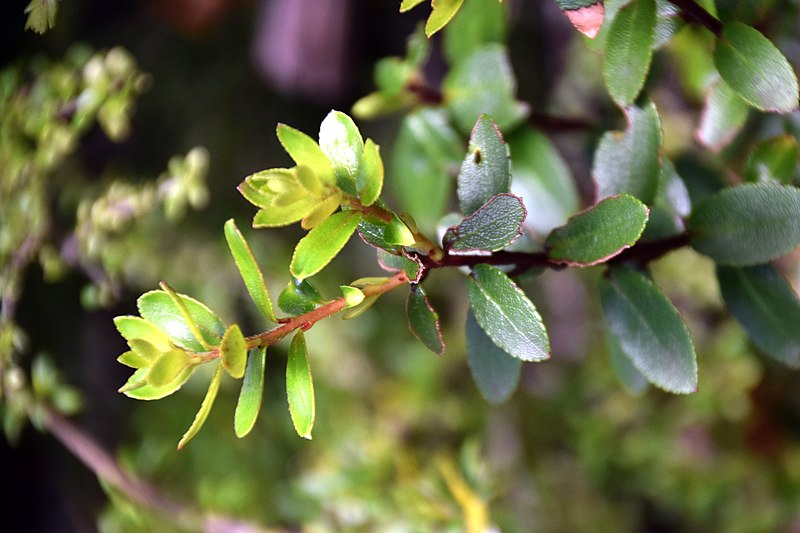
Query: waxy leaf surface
[[492, 227], [486, 171], [629, 49], [299, 297], [158, 308], [341, 142], [300, 387], [649, 330], [251, 392]]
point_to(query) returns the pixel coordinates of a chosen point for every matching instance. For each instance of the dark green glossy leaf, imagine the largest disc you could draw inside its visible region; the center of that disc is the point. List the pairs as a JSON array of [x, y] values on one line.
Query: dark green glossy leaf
[[443, 11], [629, 162], [541, 177], [205, 408], [599, 233], [724, 114], [494, 226], [300, 387], [233, 351], [427, 151], [323, 243], [423, 321], [629, 49], [134, 327], [507, 316], [747, 225], [483, 83], [341, 142], [649, 330], [755, 69], [478, 23], [251, 393], [369, 181], [623, 367], [767, 308], [305, 151], [158, 308], [248, 268], [486, 171], [299, 297], [774, 159], [494, 371]]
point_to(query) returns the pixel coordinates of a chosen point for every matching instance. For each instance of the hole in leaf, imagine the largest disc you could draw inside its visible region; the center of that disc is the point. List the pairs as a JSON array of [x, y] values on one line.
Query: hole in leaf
[[477, 156]]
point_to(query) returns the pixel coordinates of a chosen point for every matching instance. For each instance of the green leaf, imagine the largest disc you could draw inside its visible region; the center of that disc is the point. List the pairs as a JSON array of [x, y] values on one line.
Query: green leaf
[[747, 225], [305, 151], [398, 263], [494, 226], [629, 49], [774, 159], [423, 321], [541, 177], [322, 211], [41, 15], [396, 232], [478, 23], [586, 15], [352, 295], [134, 359], [623, 367], [426, 149], [443, 11], [507, 316], [233, 351], [141, 390], [300, 387], [320, 246], [205, 408], [486, 170], [767, 308], [251, 393], [405, 5], [649, 330], [248, 269], [146, 350], [483, 83], [299, 297], [341, 142], [370, 173], [494, 371], [668, 22], [167, 367], [159, 308], [134, 327], [755, 69], [630, 162], [724, 114], [599, 233]]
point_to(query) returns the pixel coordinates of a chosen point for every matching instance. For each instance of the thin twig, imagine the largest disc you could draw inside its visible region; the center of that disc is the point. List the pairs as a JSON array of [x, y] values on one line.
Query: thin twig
[[694, 13]]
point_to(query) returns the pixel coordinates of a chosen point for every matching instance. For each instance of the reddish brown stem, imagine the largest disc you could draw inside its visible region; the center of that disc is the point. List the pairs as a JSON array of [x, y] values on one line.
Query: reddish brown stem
[[694, 13]]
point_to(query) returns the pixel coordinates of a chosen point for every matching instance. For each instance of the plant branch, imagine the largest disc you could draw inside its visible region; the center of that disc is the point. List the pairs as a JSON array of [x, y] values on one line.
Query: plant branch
[[694, 13]]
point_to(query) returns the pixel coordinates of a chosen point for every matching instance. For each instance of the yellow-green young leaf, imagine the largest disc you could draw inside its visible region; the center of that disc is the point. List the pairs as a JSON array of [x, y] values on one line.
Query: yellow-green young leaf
[[251, 393], [167, 367], [320, 246], [205, 408], [507, 316], [248, 269], [486, 170], [341, 142], [443, 11], [774, 159], [649, 330], [396, 232], [138, 388], [352, 296], [423, 321], [724, 114], [494, 226], [305, 151], [494, 371], [369, 181], [233, 351], [586, 15], [145, 349], [599, 233], [747, 225], [134, 327], [277, 216], [360, 309], [134, 360], [405, 5], [189, 319], [631, 162], [629, 49], [160, 309], [324, 209], [41, 15], [767, 307], [755, 69], [300, 387]]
